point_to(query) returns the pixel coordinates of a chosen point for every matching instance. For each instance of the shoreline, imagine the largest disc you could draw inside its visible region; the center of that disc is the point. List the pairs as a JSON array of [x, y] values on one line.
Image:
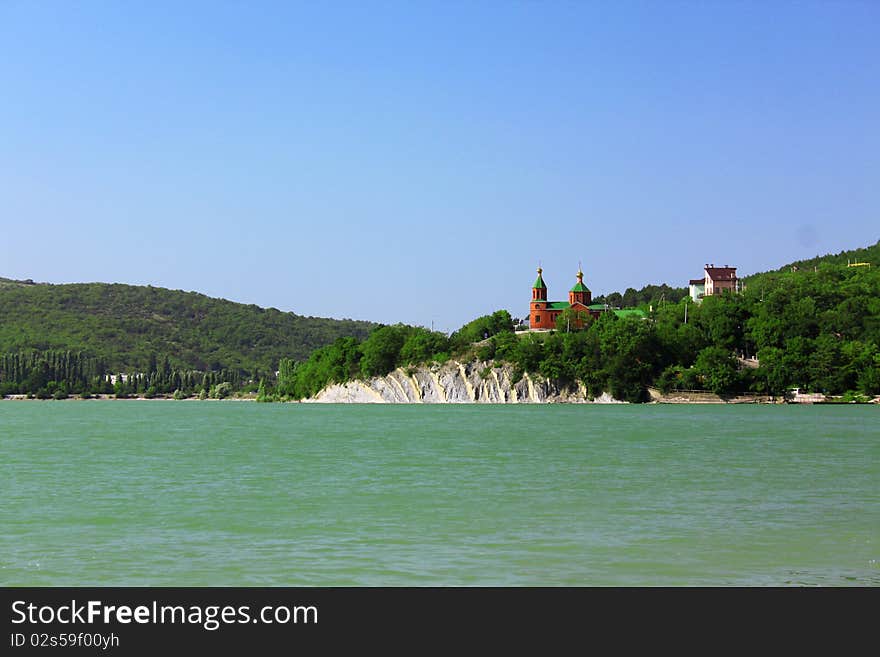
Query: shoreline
[[659, 400]]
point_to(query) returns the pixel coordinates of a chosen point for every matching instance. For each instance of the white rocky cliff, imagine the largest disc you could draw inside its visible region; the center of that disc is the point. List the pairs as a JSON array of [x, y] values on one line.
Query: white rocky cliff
[[455, 383]]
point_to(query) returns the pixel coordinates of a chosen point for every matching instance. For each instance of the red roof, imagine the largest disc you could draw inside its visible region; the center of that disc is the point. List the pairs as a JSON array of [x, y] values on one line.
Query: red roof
[[721, 273]]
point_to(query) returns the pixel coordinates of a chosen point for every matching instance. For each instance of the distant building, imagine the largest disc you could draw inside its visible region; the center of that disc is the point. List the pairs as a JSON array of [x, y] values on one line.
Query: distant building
[[543, 313], [716, 280]]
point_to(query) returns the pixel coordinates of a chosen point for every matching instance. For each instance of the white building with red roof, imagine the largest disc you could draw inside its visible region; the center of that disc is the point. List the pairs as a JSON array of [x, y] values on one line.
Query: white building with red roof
[[716, 280]]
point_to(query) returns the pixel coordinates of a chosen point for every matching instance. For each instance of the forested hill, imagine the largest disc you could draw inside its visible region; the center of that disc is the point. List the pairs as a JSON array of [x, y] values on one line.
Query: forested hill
[[869, 254], [656, 294], [125, 326]]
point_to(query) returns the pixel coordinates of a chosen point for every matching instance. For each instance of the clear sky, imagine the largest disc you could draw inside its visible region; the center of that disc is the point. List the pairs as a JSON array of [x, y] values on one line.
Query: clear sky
[[413, 161]]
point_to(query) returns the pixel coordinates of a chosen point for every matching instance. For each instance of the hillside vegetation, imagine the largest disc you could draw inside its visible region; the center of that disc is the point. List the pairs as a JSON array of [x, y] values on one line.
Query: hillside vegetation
[[649, 295], [652, 295], [128, 328], [869, 254], [815, 327]]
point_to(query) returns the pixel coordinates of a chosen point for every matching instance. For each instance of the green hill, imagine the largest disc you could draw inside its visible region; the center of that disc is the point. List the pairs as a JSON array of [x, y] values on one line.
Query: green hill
[[125, 326], [656, 294], [869, 254]]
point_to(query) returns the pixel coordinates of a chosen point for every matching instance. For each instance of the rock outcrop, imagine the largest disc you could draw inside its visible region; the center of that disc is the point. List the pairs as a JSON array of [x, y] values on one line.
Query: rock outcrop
[[455, 383]]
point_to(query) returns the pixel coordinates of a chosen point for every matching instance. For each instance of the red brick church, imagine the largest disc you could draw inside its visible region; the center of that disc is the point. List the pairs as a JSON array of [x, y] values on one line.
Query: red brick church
[[543, 313]]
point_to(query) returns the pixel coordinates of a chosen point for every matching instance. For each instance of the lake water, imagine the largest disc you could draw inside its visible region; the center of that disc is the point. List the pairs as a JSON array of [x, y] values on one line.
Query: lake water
[[226, 493]]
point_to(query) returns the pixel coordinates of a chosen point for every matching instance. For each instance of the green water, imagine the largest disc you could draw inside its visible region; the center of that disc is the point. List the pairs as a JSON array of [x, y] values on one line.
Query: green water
[[225, 493]]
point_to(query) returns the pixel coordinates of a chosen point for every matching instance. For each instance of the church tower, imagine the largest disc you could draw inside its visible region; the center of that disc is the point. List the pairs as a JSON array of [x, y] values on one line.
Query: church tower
[[539, 290], [539, 315], [580, 293]]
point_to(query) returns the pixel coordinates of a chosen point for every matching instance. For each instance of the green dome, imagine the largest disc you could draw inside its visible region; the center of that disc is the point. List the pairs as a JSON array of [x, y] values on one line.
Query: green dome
[[539, 282], [579, 286]]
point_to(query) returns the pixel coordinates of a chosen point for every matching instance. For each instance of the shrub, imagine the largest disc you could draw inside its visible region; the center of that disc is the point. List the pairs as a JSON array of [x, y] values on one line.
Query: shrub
[[221, 390]]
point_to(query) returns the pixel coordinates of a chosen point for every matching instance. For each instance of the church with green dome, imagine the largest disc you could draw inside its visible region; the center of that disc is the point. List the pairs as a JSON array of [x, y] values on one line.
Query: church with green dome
[[543, 313]]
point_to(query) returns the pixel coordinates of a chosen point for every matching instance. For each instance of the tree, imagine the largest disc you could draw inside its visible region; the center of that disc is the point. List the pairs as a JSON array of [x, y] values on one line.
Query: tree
[[629, 349], [381, 350], [771, 375], [263, 394], [717, 369], [220, 391], [825, 367], [571, 319], [869, 378], [422, 345], [287, 376], [722, 319], [529, 353], [481, 328], [505, 346]]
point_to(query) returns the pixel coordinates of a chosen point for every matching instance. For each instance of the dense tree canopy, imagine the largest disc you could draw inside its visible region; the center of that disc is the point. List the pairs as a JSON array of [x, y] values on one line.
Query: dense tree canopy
[[123, 325], [386, 348], [59, 374], [648, 295]]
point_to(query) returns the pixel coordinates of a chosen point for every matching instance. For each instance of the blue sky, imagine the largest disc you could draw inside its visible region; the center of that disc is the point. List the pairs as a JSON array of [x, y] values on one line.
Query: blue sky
[[413, 161]]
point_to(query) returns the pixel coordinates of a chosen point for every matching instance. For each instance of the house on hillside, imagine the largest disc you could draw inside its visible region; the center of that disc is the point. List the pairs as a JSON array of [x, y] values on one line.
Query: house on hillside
[[716, 280]]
